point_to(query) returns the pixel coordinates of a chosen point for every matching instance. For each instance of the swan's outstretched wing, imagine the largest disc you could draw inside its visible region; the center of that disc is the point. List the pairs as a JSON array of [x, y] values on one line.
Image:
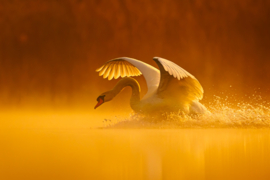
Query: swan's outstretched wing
[[175, 82], [126, 67]]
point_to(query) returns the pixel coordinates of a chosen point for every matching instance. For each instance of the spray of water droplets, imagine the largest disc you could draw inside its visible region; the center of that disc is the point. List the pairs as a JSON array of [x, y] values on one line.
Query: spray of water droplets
[[222, 114]]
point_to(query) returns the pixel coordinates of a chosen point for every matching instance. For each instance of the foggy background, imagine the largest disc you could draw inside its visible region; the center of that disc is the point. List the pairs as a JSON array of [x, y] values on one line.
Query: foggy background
[[49, 50]]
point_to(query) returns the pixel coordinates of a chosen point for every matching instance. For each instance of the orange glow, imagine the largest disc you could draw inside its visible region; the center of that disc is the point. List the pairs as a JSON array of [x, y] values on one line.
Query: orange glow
[[49, 51], [79, 153]]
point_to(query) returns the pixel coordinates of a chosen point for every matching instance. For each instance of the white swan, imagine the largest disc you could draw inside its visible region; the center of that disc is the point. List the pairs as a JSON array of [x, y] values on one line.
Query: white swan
[[170, 89]]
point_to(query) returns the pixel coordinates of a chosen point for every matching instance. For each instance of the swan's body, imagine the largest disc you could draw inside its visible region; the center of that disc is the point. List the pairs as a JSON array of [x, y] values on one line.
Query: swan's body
[[170, 89]]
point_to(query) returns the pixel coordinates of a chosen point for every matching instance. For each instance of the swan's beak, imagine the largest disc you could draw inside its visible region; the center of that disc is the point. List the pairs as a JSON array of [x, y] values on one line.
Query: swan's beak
[[100, 101]]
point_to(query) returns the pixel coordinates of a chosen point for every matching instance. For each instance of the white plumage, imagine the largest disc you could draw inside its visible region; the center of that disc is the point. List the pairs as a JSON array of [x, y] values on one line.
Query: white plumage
[[171, 83], [173, 69]]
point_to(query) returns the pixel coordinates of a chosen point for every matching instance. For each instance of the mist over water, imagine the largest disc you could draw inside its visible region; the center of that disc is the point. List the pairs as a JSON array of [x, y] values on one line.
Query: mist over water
[[222, 114], [49, 51], [134, 154]]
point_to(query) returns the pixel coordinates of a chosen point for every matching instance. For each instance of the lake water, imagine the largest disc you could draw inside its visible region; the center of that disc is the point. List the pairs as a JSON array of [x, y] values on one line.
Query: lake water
[[54, 153]]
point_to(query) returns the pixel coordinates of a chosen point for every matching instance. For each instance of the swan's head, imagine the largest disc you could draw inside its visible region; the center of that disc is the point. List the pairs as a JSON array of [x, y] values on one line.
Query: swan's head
[[104, 97]]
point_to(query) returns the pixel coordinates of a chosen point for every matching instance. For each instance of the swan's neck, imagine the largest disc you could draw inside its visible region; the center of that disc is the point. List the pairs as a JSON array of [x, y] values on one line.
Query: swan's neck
[[135, 97]]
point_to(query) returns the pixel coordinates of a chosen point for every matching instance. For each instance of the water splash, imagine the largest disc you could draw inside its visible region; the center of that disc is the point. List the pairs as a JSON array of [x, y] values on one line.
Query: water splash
[[222, 114]]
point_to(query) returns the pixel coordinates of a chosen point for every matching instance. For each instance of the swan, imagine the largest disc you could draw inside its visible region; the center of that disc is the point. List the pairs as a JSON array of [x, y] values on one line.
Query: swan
[[170, 89]]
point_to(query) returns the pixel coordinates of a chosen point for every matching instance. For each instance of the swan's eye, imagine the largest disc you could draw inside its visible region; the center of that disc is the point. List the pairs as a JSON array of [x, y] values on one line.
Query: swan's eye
[[101, 97]]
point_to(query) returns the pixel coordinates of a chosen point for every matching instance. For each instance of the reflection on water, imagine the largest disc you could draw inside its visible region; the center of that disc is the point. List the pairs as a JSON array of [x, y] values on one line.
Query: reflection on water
[[82, 153]]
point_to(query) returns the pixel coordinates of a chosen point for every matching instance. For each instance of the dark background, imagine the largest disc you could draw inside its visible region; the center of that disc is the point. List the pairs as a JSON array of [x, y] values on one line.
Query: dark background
[[49, 50]]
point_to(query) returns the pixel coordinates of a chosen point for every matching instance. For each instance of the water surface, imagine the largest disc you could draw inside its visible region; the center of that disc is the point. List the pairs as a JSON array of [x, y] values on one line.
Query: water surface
[[84, 153]]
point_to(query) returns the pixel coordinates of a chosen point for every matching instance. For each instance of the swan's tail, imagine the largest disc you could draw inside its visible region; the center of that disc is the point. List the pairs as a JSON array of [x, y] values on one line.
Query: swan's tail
[[197, 108]]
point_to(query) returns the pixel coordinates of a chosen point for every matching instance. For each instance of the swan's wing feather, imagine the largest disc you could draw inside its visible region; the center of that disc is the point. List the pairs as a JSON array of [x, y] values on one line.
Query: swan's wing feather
[[126, 67], [175, 82], [172, 68], [113, 69]]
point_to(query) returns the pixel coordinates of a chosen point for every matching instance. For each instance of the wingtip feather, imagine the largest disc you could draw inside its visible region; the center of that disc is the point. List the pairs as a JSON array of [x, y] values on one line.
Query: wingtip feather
[[99, 69]]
